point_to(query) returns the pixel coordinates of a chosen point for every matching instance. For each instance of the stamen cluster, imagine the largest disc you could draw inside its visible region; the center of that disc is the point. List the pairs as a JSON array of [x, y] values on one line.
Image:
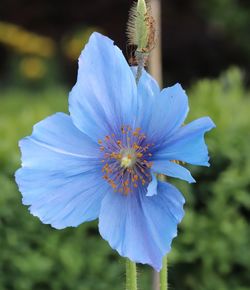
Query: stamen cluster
[[126, 160]]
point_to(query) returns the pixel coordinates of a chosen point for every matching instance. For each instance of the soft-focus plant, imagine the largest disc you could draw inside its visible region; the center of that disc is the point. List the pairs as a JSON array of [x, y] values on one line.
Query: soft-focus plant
[[23, 41], [216, 234]]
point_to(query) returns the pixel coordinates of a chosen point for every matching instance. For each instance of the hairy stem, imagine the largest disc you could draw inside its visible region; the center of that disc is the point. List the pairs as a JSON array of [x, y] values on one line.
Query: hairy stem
[[141, 58], [164, 275], [131, 275]]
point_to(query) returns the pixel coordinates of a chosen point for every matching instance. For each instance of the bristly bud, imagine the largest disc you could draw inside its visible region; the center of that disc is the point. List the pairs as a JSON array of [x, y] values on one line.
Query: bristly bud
[[141, 34], [141, 28]]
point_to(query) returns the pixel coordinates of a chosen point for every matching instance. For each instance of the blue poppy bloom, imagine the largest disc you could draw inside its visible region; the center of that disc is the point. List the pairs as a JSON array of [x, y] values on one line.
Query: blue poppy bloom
[[101, 160]]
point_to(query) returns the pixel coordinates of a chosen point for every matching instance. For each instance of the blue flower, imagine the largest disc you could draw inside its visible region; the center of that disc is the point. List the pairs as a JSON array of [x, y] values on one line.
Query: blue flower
[[101, 160]]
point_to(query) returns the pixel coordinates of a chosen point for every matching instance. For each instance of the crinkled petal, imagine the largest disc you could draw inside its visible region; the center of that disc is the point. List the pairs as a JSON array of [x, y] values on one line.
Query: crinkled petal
[[140, 227], [172, 169], [188, 144], [60, 176], [168, 113], [104, 96]]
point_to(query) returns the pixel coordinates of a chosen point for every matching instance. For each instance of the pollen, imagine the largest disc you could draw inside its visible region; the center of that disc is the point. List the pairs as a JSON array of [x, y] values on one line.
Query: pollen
[[125, 157]]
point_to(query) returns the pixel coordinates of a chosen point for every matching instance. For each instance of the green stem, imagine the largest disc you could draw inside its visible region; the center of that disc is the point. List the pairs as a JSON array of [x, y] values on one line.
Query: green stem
[[164, 275], [127, 275], [131, 275]]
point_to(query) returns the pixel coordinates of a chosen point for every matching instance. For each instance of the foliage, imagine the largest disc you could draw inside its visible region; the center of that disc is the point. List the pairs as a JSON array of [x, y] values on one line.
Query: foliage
[[212, 249]]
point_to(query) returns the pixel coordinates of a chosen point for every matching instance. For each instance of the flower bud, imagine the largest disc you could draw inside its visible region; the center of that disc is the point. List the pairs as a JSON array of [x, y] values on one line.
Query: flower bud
[[141, 28]]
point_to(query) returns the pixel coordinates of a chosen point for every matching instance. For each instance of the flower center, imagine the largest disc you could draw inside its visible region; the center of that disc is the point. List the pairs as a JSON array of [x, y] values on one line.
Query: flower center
[[126, 158]]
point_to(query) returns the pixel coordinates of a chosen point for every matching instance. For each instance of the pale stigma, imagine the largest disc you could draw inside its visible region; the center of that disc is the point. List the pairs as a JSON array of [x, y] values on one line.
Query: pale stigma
[[128, 159]]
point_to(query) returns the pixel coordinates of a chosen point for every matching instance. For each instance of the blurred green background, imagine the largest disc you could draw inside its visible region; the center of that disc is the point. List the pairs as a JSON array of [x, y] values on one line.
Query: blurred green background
[[206, 46]]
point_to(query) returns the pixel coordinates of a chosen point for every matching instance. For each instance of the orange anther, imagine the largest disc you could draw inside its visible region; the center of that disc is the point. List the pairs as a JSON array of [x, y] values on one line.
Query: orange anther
[[136, 146]]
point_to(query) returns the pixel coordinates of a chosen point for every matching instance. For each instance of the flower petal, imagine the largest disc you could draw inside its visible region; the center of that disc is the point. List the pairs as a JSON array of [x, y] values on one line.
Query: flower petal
[[188, 144], [60, 200], [104, 95], [152, 187], [140, 227], [147, 92], [56, 144], [61, 175], [168, 113], [172, 169]]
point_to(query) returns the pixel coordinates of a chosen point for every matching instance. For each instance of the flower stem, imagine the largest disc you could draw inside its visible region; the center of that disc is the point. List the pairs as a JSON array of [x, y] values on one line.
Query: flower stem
[[131, 275], [141, 58], [139, 73], [164, 275]]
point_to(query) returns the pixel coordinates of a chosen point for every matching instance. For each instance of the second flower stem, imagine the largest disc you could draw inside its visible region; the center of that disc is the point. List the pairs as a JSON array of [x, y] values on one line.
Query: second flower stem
[[164, 275], [131, 275]]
